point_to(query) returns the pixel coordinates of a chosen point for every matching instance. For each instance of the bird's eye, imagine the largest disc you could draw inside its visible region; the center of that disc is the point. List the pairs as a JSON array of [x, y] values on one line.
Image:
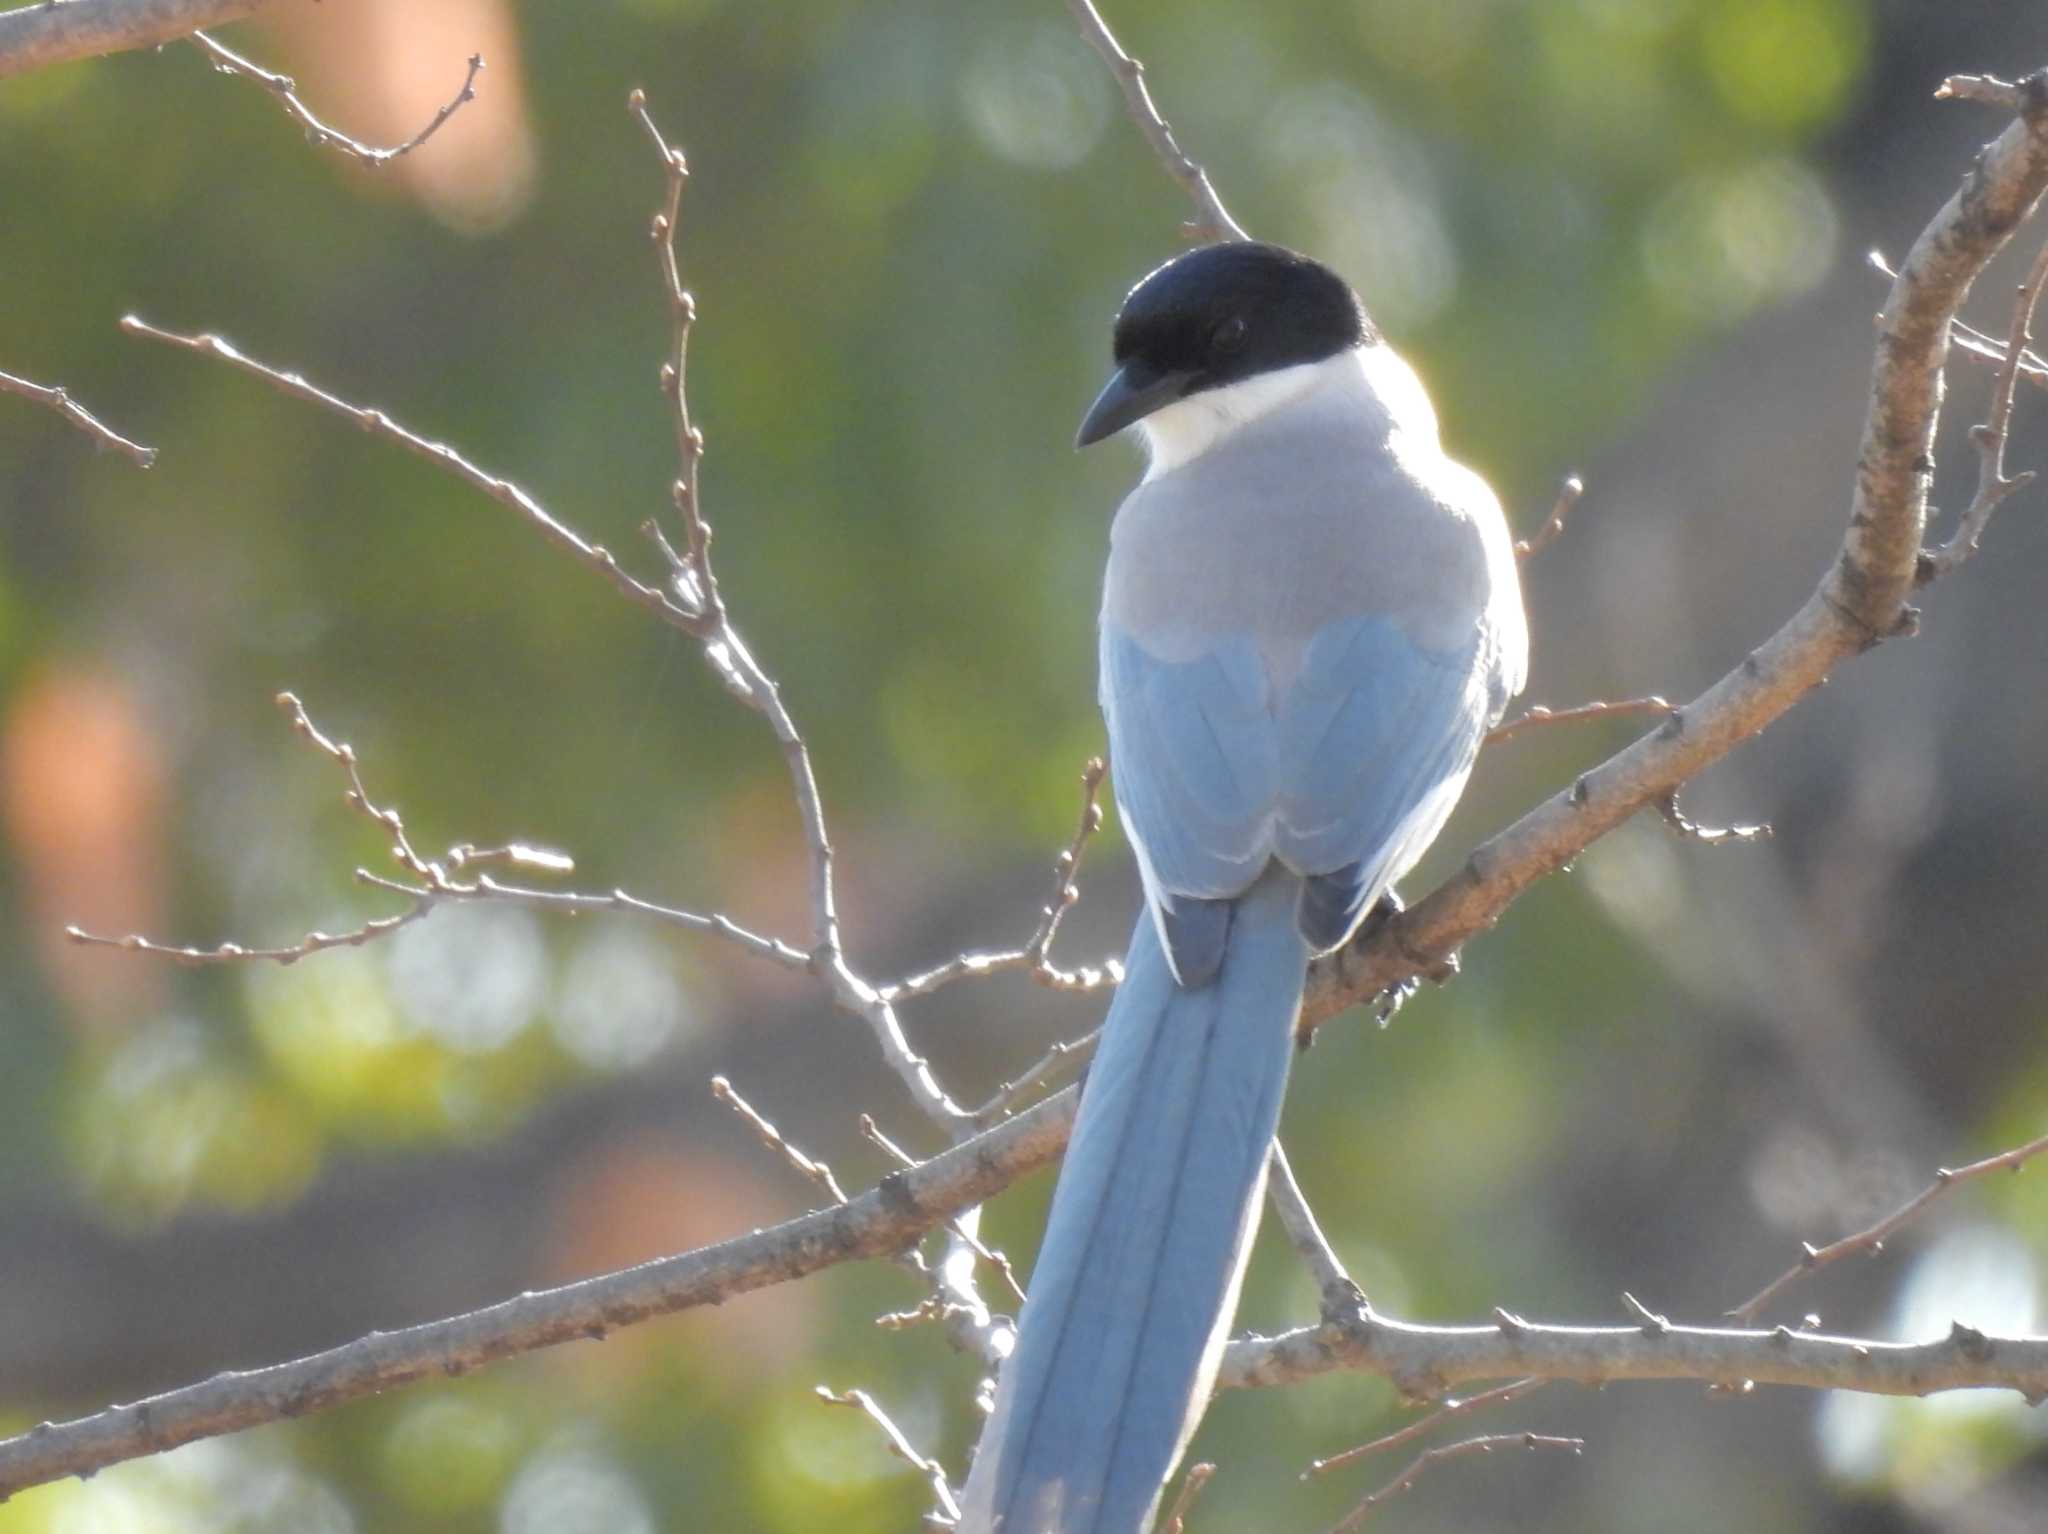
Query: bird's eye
[[1228, 337]]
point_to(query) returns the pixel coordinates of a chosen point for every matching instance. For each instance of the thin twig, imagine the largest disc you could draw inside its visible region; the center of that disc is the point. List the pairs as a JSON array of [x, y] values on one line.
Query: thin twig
[[377, 423], [1540, 714], [1990, 438], [899, 1445], [437, 883], [237, 953], [59, 399], [703, 618], [816, 1172], [285, 89], [1707, 836], [1190, 1488], [1462, 1406], [1407, 1478], [1212, 221], [960, 1228], [1006, 1095], [1979, 347], [1334, 1286], [1035, 955], [1568, 493], [695, 580], [1872, 1238]]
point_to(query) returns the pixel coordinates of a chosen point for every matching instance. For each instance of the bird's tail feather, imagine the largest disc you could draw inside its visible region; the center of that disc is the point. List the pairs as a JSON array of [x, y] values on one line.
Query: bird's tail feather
[[1157, 1201]]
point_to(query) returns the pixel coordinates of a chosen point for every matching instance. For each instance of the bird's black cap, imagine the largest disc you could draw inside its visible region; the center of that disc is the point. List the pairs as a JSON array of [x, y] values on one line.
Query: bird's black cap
[[1217, 315]]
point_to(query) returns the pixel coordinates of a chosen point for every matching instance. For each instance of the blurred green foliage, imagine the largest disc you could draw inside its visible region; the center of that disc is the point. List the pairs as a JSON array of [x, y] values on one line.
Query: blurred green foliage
[[908, 223]]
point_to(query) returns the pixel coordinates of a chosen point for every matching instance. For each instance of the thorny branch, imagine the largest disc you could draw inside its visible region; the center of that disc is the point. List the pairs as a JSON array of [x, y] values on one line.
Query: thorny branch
[[59, 399], [286, 90]]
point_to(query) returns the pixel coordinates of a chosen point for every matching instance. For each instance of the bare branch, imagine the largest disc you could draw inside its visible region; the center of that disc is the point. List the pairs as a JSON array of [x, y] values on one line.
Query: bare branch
[[694, 573], [1979, 347], [1540, 714], [1428, 1361], [1500, 1395], [695, 609], [437, 883], [1006, 1095], [1333, 1285], [285, 89], [1358, 1515], [961, 1229], [899, 1445], [1568, 493], [1872, 1238], [43, 33], [877, 1223], [503, 491], [1860, 602], [1993, 484], [237, 953], [1035, 955], [1212, 221], [1421, 1360], [60, 400], [817, 1173], [1190, 1488]]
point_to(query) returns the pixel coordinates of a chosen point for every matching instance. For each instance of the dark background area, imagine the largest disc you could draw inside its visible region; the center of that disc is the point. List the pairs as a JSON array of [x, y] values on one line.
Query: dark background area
[[1625, 237]]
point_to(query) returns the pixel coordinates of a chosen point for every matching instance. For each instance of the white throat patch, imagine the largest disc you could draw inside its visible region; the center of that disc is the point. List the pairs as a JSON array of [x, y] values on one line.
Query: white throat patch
[[1188, 428]]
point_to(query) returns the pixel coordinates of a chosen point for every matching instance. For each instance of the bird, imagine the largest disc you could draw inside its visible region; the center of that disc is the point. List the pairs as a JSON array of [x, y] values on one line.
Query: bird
[[1310, 619]]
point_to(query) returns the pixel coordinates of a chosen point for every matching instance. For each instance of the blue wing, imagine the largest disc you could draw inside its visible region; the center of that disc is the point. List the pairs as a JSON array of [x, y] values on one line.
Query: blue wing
[[1344, 774]]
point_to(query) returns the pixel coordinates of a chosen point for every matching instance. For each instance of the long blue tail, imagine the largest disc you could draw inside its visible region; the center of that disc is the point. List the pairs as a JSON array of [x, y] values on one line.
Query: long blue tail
[[1150, 1226]]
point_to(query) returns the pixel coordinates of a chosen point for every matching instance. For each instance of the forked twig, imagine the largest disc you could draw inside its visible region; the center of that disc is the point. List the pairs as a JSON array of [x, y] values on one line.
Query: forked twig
[[1035, 955]]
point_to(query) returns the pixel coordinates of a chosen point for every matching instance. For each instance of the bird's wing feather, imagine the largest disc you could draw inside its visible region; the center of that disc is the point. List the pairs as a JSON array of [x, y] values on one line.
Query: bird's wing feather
[[1371, 728], [1194, 755]]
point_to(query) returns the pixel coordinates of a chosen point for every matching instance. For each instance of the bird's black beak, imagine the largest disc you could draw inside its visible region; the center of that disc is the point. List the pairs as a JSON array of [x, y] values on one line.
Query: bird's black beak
[[1133, 392]]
